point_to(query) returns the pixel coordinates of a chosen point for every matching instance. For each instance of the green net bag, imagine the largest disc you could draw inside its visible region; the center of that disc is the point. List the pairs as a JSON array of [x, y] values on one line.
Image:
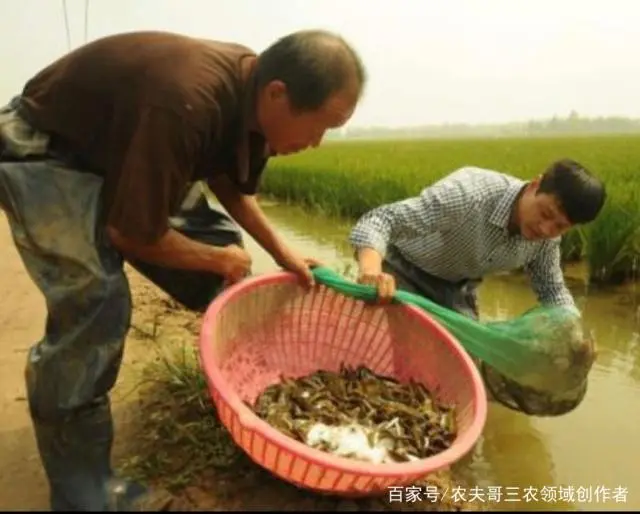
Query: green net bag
[[537, 363]]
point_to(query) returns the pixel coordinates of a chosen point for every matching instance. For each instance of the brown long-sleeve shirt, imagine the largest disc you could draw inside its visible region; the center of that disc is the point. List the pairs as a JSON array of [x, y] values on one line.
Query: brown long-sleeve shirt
[[150, 112]]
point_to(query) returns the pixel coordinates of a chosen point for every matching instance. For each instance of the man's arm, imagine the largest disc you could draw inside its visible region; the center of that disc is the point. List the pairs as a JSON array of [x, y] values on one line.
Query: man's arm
[[174, 250], [547, 280], [247, 212], [155, 167], [439, 207]]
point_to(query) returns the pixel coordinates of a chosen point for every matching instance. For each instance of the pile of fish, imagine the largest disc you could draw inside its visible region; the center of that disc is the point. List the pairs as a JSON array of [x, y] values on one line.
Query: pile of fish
[[358, 414]]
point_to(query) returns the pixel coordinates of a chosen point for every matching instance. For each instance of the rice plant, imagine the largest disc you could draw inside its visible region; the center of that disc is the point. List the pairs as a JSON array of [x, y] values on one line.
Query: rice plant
[[347, 179]]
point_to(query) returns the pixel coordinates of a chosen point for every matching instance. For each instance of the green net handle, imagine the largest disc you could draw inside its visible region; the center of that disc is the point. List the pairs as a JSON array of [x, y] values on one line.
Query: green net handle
[[330, 278], [448, 317], [491, 343], [337, 282], [515, 347]]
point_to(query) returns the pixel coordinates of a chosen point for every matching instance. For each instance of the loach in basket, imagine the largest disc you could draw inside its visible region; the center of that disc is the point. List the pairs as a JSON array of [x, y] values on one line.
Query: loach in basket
[[269, 325]]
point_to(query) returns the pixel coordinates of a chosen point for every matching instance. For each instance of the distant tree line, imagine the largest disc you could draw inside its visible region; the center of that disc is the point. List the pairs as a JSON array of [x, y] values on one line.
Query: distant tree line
[[573, 124]]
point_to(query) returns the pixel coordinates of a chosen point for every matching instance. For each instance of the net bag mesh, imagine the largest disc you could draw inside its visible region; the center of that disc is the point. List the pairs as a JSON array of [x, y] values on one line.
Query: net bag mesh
[[537, 363]]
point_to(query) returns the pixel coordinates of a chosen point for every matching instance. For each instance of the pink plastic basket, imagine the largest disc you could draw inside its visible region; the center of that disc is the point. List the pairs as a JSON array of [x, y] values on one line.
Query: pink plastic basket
[[269, 325]]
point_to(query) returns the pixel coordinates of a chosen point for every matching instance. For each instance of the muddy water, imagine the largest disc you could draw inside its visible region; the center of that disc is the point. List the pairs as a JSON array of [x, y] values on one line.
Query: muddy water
[[591, 450]]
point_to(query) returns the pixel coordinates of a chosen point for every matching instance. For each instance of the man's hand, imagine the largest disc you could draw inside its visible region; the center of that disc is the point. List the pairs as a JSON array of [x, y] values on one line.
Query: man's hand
[[246, 211], [237, 264], [174, 250], [385, 284], [370, 273], [292, 261]]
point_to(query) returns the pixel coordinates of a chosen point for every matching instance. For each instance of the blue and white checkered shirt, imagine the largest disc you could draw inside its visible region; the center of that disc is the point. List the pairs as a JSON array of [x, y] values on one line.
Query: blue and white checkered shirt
[[457, 229]]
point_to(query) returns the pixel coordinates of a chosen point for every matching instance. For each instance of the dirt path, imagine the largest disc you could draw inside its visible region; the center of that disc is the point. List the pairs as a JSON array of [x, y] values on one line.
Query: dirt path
[[22, 313]]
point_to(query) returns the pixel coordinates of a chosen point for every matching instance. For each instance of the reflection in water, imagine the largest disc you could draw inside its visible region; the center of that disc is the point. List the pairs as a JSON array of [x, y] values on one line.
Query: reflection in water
[[520, 476], [592, 447]]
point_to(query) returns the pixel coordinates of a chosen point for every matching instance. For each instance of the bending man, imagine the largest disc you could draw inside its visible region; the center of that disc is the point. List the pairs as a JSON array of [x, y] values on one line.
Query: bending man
[[96, 156]]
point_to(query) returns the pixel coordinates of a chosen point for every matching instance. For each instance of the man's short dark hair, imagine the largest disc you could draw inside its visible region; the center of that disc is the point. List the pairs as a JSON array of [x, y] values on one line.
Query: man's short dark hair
[[581, 195], [314, 65]]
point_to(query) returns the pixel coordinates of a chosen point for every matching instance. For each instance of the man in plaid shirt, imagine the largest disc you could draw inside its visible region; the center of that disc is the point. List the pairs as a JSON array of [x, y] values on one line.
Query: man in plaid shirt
[[477, 221], [473, 222]]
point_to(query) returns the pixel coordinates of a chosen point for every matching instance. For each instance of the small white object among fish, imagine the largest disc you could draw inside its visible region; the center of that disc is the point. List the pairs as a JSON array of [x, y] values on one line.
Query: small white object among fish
[[352, 441]]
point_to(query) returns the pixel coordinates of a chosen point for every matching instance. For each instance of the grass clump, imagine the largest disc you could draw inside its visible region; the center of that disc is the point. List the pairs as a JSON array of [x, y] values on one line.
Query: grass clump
[[179, 435]]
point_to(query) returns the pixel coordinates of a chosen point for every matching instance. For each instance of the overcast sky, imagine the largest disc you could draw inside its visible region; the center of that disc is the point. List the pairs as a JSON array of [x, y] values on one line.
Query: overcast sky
[[429, 61]]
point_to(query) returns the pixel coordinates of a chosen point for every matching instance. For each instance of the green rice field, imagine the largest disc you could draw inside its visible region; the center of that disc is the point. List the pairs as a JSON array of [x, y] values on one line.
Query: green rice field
[[346, 179]]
